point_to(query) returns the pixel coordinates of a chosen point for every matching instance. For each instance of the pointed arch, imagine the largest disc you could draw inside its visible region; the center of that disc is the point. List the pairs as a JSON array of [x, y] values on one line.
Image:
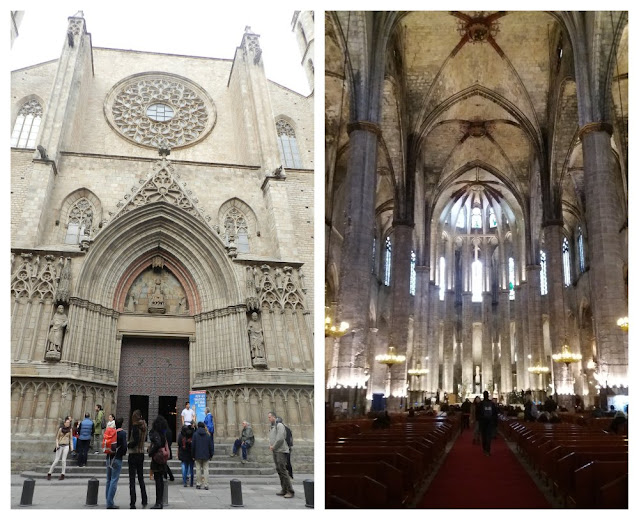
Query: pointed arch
[[237, 217], [83, 209]]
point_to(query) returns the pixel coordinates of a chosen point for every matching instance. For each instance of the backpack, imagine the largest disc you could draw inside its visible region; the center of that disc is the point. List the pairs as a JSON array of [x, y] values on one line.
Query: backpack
[[109, 441], [162, 455], [289, 436], [103, 423], [487, 410]]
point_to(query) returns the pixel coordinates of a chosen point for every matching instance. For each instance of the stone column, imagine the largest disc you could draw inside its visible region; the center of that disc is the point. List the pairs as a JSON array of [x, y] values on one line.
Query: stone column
[[401, 306], [506, 361], [433, 338], [375, 383], [487, 344], [449, 338], [467, 341], [609, 301], [522, 378], [422, 304], [354, 288], [535, 324], [553, 233]]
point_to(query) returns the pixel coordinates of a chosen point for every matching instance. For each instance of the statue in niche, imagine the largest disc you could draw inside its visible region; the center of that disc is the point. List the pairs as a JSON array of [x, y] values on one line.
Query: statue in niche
[[256, 341], [156, 303], [130, 303], [56, 334]]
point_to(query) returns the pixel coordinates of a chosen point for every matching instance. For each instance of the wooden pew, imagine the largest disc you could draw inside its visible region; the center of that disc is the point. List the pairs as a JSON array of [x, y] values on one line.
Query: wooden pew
[[360, 491], [407, 466], [589, 480], [613, 495], [399, 490]]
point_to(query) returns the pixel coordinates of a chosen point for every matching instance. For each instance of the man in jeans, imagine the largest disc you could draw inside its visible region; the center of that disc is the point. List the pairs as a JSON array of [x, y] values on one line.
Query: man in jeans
[[277, 444], [85, 433], [114, 464]]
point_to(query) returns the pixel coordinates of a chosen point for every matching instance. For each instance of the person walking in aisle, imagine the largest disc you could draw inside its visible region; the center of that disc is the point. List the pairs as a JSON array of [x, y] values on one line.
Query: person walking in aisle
[[62, 445], [114, 464], [137, 436], [487, 421], [202, 451], [277, 444]]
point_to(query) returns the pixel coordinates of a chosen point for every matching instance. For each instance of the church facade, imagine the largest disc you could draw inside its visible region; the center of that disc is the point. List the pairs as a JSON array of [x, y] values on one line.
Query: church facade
[[161, 239], [476, 206]]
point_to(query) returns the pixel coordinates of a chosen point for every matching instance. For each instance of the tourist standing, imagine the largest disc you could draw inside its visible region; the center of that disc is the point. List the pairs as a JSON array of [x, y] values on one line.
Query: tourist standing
[[114, 464], [63, 440], [277, 444], [158, 464], [111, 421], [210, 426], [168, 434], [137, 436], [202, 451], [185, 454], [487, 416], [99, 424], [188, 415], [85, 434], [246, 440]]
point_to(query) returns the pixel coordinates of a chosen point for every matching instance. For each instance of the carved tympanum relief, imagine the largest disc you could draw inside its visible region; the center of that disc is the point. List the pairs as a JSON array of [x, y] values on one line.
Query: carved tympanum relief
[[156, 292]]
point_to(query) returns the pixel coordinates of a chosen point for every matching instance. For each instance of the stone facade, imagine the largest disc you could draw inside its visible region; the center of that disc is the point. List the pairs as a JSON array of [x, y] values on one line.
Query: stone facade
[[478, 149], [158, 214]]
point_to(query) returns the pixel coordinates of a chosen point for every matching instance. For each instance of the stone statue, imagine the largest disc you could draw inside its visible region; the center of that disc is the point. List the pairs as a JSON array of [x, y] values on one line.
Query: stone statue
[[56, 334], [156, 303], [256, 341]]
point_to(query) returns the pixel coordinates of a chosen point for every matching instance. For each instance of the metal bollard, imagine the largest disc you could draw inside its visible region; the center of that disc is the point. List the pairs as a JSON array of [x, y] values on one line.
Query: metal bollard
[[236, 493], [309, 493], [27, 492], [165, 495], [92, 492]]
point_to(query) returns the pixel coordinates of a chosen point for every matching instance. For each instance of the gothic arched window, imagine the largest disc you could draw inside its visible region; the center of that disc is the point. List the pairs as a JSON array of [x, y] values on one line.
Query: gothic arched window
[[79, 222], [492, 220], [387, 261], [475, 218], [442, 278], [580, 246], [27, 125], [235, 225], [511, 278], [543, 275], [413, 274], [461, 219], [565, 251], [374, 252], [288, 145], [476, 281]]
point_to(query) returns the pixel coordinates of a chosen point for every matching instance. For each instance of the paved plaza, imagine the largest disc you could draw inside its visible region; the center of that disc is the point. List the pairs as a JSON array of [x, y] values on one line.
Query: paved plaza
[[257, 493]]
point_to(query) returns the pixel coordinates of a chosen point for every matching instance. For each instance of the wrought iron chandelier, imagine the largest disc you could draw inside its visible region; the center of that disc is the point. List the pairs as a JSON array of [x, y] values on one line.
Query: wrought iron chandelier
[[390, 358], [330, 329], [539, 369], [566, 356]]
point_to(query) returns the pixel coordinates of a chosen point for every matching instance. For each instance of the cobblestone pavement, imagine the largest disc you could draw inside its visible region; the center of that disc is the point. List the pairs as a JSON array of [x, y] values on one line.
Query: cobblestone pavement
[[257, 493]]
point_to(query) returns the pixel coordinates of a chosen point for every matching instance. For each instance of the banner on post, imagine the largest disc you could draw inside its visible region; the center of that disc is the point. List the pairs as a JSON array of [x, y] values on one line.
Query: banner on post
[[197, 399]]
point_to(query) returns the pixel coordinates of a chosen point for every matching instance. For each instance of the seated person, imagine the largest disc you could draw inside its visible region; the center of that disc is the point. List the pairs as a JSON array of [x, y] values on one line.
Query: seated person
[[246, 440], [617, 424]]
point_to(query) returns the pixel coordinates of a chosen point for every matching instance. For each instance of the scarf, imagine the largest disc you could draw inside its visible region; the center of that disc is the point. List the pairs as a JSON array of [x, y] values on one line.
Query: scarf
[[65, 429]]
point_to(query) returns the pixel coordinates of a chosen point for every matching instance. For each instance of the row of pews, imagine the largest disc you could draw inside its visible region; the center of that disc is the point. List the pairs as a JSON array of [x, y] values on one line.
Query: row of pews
[[583, 464], [383, 468]]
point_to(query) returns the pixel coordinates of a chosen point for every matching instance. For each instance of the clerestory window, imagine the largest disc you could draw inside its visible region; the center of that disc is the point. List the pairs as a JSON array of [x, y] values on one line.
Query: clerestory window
[[566, 261], [287, 143], [543, 275], [25, 130], [387, 261], [413, 273]]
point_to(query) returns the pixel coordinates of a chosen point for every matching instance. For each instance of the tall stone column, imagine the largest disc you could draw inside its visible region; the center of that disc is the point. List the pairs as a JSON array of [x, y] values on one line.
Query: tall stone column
[[487, 344], [354, 288], [535, 325], [522, 378], [433, 338], [420, 324], [374, 383], [467, 341], [609, 300], [401, 304], [449, 338], [554, 270], [504, 326]]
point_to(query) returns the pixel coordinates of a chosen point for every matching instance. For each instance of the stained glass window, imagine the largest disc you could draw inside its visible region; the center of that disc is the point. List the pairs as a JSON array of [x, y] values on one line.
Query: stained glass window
[[566, 259], [413, 274], [387, 262], [288, 145], [27, 125], [543, 275]]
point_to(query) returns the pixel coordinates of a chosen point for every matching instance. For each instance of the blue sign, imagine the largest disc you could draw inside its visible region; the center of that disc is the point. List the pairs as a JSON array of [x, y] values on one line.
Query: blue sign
[[197, 399]]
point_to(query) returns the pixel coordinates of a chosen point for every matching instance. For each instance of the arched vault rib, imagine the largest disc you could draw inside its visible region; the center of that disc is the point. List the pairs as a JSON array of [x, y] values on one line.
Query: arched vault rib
[[152, 227]]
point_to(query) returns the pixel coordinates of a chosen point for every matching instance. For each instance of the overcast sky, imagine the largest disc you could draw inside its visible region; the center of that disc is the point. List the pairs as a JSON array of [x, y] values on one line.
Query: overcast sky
[[212, 32]]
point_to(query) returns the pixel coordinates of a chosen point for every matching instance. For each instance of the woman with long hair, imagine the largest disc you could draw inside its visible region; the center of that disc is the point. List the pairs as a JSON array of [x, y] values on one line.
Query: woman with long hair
[[137, 436], [62, 444], [158, 440]]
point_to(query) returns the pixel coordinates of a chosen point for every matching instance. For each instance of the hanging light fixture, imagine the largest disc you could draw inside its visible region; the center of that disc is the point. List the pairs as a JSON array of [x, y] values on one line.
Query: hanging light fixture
[[566, 356], [390, 358], [623, 323], [330, 329], [539, 369]]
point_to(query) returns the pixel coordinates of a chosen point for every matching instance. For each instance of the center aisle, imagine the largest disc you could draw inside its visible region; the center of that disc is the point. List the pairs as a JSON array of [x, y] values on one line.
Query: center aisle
[[469, 479]]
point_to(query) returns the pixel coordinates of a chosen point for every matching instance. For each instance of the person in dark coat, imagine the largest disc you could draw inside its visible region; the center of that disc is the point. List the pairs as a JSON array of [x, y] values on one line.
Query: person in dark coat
[[202, 451], [487, 417], [158, 440], [137, 436], [169, 437], [185, 442]]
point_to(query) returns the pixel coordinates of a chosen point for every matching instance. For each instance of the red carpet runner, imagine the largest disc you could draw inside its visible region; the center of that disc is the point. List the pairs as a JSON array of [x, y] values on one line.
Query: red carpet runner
[[469, 479]]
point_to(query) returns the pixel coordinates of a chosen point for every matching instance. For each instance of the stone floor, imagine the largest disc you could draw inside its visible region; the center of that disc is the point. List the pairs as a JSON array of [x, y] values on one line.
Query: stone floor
[[257, 493]]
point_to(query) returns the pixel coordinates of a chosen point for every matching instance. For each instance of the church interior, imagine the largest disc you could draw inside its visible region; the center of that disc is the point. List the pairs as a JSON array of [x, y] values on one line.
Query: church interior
[[476, 221]]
